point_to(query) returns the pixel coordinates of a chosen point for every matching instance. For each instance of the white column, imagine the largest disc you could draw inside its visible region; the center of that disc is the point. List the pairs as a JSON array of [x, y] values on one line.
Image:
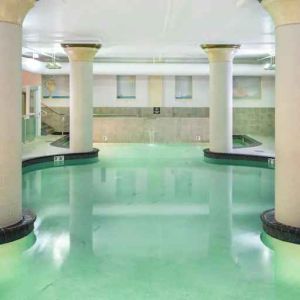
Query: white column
[[12, 13], [286, 15], [221, 63], [81, 93]]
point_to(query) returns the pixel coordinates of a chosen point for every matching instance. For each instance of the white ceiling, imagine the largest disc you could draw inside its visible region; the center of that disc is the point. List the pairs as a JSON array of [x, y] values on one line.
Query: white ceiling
[[150, 28]]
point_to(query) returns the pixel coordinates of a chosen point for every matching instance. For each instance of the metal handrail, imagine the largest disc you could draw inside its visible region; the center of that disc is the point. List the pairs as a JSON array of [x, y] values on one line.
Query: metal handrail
[[115, 115], [52, 110], [60, 115], [30, 115]]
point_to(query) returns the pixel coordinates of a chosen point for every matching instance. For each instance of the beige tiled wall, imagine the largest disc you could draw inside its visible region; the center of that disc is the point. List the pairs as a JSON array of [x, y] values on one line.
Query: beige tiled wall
[[148, 130], [257, 121], [173, 124]]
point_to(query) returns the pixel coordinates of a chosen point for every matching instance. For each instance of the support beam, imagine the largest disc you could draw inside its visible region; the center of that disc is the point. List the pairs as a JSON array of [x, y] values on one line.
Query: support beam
[[221, 82], [286, 15], [12, 13], [81, 92]]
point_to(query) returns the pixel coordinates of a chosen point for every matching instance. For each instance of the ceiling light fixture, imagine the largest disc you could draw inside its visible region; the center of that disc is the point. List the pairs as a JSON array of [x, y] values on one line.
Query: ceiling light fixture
[[53, 65], [271, 65]]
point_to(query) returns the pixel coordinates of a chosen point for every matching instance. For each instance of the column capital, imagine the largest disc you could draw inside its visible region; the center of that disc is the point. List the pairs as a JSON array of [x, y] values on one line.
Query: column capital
[[220, 52], [81, 52], [283, 12], [14, 11]]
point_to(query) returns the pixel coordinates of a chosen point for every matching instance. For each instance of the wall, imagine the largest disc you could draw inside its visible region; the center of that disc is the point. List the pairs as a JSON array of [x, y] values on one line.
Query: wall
[[31, 79], [105, 93], [150, 130], [267, 95], [254, 121], [200, 93], [255, 116]]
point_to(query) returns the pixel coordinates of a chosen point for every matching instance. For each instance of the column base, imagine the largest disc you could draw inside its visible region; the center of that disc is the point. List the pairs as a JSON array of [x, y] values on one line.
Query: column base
[[19, 230], [278, 230]]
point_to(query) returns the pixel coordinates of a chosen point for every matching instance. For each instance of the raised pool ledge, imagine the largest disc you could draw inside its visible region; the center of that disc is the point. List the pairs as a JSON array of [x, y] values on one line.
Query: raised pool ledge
[[239, 159], [278, 230], [20, 230], [60, 159], [26, 225]]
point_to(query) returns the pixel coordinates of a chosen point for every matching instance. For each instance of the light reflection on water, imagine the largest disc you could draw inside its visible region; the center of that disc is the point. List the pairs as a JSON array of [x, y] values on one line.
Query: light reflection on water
[[150, 223]]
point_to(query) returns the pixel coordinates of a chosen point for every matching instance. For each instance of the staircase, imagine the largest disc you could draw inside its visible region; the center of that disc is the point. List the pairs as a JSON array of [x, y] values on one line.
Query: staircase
[[54, 122], [46, 129]]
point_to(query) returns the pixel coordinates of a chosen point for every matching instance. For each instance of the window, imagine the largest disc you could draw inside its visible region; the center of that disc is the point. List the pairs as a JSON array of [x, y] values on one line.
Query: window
[[126, 87], [184, 87]]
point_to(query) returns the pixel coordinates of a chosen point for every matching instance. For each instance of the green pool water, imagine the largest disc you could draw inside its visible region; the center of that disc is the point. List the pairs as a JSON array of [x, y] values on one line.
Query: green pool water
[[149, 222]]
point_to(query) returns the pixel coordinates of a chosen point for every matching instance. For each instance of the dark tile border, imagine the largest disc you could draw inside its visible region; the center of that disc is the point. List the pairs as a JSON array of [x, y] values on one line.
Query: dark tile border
[[19, 230], [265, 161], [278, 230], [66, 157]]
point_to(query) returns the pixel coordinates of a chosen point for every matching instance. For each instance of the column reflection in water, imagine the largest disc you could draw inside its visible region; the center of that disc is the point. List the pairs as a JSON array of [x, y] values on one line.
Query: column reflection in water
[[12, 260], [156, 183], [81, 210], [126, 184], [220, 213], [183, 184], [286, 266]]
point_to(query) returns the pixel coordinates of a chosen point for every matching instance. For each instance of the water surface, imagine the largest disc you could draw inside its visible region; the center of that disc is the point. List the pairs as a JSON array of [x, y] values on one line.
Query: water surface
[[148, 222]]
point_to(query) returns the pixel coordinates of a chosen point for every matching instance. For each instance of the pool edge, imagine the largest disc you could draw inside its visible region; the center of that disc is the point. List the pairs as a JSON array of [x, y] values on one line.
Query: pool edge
[[66, 157], [239, 159], [278, 230], [19, 230]]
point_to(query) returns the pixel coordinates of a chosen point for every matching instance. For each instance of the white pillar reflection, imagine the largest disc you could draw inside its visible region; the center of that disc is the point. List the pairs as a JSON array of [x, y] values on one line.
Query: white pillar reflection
[[220, 212], [81, 210]]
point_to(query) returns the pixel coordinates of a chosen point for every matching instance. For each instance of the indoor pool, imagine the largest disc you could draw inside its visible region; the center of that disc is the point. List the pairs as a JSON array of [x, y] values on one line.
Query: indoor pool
[[148, 222]]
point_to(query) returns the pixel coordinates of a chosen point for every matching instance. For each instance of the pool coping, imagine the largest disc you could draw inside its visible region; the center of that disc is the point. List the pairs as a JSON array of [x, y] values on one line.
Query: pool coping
[[60, 157], [19, 230], [26, 225], [217, 157], [278, 230]]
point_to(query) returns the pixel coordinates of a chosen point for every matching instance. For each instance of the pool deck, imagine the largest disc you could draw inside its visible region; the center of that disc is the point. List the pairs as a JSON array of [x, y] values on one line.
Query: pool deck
[[41, 147], [266, 149]]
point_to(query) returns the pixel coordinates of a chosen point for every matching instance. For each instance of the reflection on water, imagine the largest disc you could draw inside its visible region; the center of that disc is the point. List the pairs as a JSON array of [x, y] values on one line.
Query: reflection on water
[[149, 223], [286, 264]]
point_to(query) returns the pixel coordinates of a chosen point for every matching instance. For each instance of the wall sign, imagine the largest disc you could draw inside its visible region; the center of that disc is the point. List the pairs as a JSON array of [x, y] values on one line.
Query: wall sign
[[156, 110], [59, 160]]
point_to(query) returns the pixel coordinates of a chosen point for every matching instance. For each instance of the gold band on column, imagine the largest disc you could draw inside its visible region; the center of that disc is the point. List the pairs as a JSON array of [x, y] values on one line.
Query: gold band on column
[[220, 52], [80, 51], [14, 11], [283, 12]]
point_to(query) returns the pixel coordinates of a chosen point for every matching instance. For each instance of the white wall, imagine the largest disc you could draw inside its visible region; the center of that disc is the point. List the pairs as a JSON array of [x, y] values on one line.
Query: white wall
[[200, 93], [105, 93], [267, 95]]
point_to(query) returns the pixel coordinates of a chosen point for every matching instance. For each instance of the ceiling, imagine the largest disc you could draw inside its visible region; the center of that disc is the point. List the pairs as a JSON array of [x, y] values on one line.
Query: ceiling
[[149, 29]]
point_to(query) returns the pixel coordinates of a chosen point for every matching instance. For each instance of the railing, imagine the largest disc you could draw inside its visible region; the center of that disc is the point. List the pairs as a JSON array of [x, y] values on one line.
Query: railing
[[58, 121], [114, 115], [29, 127]]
